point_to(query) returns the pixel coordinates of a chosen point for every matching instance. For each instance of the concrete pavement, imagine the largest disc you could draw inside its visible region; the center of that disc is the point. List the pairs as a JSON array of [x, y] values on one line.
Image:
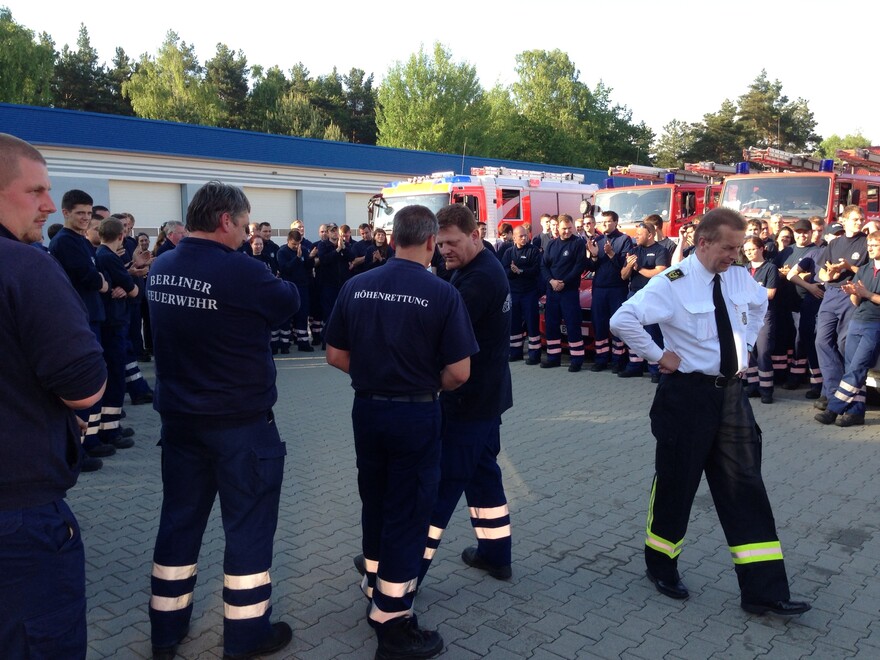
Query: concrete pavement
[[577, 459]]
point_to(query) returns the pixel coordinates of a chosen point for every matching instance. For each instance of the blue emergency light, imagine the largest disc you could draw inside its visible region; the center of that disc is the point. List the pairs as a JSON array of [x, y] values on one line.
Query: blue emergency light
[[826, 165], [742, 167], [669, 178]]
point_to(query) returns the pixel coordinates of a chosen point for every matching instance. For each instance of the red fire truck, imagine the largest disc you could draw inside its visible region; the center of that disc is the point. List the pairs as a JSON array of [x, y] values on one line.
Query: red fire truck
[[798, 186], [673, 194], [494, 194]]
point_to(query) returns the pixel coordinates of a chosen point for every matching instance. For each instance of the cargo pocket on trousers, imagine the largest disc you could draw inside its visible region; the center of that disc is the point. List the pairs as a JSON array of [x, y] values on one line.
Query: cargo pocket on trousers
[[269, 464], [58, 634]]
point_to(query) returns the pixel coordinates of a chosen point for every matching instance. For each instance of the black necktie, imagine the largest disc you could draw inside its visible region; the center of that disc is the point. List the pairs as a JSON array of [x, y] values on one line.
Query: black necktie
[[725, 332]]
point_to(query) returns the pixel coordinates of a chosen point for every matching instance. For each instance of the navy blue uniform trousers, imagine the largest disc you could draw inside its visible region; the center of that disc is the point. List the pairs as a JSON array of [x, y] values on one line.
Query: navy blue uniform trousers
[[606, 301], [243, 461], [398, 461], [834, 315], [470, 466], [559, 306], [702, 428], [42, 584], [525, 311]]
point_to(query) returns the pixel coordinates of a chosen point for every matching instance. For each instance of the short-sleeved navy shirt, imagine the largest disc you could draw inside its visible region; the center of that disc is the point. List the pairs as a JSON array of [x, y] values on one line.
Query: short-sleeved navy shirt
[[402, 326], [767, 275], [211, 312], [488, 392], [854, 249], [648, 258], [49, 353], [867, 311]]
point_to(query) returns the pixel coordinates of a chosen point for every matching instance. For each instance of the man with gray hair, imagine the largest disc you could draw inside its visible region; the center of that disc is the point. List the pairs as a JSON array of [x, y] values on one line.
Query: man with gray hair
[[174, 231], [396, 416], [211, 310]]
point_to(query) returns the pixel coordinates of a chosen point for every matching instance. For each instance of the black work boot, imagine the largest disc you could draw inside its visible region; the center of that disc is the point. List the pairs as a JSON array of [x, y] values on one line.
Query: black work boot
[[402, 638]]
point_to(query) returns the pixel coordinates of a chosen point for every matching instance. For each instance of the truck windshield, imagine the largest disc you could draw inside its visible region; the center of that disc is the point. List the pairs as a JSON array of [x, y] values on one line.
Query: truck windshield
[[434, 201], [792, 196], [634, 204]]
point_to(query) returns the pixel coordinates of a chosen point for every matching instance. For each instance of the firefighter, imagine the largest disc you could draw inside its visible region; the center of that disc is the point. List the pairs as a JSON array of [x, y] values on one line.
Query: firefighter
[[212, 310], [710, 315], [847, 406], [760, 372], [522, 263], [561, 268], [471, 433], [298, 267], [606, 258], [396, 416]]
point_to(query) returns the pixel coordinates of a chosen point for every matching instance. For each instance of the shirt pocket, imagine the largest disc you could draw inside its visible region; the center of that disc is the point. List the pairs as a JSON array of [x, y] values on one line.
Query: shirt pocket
[[701, 320], [740, 310]]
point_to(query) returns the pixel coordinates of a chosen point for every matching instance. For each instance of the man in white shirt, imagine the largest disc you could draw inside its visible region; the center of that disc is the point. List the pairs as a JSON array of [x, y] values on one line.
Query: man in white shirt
[[701, 417]]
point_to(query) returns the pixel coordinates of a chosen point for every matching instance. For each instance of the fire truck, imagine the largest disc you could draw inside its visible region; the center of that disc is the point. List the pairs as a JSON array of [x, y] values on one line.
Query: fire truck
[[494, 194], [798, 186], [673, 194]]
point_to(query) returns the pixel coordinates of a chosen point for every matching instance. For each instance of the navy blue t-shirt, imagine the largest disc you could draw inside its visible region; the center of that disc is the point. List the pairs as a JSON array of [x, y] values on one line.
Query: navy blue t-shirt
[[565, 260], [867, 311], [607, 269], [528, 261], [211, 311], [77, 257], [49, 353], [488, 392], [111, 265], [647, 257], [767, 275], [402, 326], [297, 269], [854, 249]]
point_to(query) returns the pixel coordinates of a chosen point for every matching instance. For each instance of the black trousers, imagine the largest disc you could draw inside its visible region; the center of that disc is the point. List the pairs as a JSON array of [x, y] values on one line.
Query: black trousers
[[703, 428]]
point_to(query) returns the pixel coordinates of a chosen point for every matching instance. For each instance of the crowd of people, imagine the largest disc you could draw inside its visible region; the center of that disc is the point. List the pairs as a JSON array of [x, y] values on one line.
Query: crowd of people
[[723, 314]]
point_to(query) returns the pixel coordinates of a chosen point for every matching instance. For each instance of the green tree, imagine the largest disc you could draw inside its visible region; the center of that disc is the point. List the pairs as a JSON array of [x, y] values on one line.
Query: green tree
[[298, 116], [171, 86], [81, 82], [269, 88], [768, 119], [26, 65], [719, 137], [431, 103], [674, 145], [360, 106], [326, 94], [226, 74], [829, 146], [117, 77]]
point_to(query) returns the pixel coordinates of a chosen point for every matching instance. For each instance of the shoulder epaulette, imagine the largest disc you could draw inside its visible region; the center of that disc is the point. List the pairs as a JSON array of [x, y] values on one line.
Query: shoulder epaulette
[[675, 274]]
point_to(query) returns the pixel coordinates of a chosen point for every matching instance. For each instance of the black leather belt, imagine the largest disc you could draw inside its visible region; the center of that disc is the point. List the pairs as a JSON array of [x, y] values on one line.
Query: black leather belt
[[427, 397], [714, 381]]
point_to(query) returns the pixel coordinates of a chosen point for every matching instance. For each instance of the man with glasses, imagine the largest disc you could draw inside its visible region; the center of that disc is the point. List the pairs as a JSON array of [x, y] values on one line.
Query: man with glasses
[[847, 406]]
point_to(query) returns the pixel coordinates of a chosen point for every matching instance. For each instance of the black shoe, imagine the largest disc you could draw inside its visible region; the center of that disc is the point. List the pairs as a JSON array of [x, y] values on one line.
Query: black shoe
[[471, 557], [101, 450], [360, 564], [813, 393], [821, 403], [285, 349], [402, 638], [791, 384], [599, 366], [615, 368], [122, 443], [846, 419], [533, 361], [274, 351], [574, 368], [549, 365], [655, 378], [140, 399], [752, 392], [766, 398], [165, 652], [316, 341], [305, 348], [514, 358], [127, 431], [780, 607], [280, 637], [675, 589], [629, 373], [90, 464], [825, 417]]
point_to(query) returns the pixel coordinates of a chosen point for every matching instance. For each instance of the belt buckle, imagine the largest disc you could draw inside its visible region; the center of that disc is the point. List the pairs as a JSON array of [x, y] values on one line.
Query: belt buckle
[[721, 382]]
